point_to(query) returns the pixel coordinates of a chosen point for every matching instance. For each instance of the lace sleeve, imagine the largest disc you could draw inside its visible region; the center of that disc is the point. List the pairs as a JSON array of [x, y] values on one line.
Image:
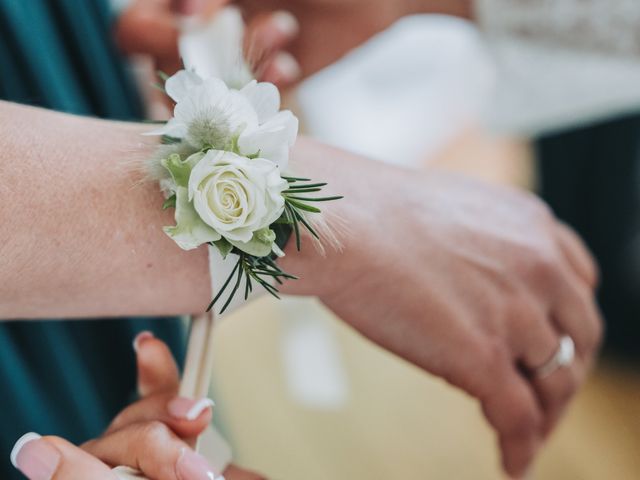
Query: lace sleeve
[[561, 63], [606, 26]]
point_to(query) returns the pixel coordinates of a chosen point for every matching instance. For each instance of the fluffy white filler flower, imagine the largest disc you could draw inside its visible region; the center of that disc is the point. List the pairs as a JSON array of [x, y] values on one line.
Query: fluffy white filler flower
[[208, 114]]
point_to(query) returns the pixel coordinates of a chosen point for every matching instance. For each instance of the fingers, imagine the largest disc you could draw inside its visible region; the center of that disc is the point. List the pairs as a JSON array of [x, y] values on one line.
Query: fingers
[[52, 458], [157, 369], [577, 254], [187, 418], [153, 449], [267, 36], [282, 70], [556, 391], [575, 313], [535, 341], [511, 408], [235, 473]]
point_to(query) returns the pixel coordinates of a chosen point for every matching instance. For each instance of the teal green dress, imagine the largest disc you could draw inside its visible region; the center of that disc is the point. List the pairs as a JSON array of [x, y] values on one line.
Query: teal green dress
[[67, 378]]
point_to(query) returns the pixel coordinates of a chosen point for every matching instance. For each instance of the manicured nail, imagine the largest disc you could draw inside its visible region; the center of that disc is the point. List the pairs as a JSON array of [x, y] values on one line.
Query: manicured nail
[[187, 408], [35, 458], [140, 339], [287, 66], [286, 22], [193, 466]]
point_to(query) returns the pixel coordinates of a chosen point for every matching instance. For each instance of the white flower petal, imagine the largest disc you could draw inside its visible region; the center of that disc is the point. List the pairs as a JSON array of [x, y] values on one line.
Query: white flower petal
[[265, 99], [173, 128], [236, 196], [272, 140], [179, 85]]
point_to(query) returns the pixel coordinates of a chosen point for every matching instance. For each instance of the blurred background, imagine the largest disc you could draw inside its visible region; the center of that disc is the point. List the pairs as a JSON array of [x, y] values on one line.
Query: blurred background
[[325, 403]]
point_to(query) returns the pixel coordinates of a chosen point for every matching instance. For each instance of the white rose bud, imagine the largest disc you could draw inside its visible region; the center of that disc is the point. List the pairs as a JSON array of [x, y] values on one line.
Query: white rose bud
[[238, 197]]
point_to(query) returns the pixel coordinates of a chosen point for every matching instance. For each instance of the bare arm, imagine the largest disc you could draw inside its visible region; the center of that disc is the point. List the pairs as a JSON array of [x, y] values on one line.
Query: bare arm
[[81, 233], [433, 264]]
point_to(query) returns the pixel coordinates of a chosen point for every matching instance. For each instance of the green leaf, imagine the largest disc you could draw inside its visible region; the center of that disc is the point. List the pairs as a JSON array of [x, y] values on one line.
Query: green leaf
[[296, 179], [302, 206], [260, 245], [169, 202], [318, 199], [224, 247], [179, 169], [308, 185], [300, 217], [225, 285], [168, 140]]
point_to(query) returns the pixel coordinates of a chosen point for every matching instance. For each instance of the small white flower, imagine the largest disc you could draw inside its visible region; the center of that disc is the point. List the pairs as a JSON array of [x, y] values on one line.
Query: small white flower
[[208, 114]]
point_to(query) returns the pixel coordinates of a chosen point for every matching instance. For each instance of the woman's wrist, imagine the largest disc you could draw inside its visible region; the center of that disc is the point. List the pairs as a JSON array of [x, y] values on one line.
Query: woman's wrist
[[345, 222]]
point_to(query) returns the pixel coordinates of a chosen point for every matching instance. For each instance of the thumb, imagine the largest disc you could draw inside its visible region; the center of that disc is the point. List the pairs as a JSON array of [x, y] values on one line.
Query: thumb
[[157, 369], [52, 458]]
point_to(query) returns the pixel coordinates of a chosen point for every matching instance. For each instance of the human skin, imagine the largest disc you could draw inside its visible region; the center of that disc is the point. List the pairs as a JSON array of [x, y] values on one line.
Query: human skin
[[152, 28], [469, 282], [331, 28], [150, 435]]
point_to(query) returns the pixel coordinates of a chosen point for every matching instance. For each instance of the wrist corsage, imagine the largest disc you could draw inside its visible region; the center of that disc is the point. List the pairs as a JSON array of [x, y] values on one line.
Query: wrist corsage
[[223, 167]]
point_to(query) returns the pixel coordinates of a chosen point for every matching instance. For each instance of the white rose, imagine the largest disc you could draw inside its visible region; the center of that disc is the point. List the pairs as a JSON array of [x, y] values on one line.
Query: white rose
[[249, 121], [237, 197]]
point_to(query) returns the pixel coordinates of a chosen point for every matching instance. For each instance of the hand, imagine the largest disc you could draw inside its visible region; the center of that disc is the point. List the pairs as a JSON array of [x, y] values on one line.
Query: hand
[[472, 283], [155, 435], [323, 37], [151, 27]]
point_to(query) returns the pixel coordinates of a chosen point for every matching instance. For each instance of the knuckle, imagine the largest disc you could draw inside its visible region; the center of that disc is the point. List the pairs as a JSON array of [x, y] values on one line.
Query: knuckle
[[540, 266], [155, 431]]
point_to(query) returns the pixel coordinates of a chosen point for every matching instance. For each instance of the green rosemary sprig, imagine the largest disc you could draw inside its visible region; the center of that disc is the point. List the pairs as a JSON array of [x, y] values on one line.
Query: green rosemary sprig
[[251, 269], [296, 207], [260, 270]]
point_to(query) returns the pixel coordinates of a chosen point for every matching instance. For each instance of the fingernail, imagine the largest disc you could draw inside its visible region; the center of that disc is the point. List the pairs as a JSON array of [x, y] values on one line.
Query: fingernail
[[193, 466], [187, 408], [287, 66], [35, 458], [140, 339], [286, 22]]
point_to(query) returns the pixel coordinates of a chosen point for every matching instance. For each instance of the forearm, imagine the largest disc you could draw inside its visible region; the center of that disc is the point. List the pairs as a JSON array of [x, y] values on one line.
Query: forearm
[[82, 226], [81, 230]]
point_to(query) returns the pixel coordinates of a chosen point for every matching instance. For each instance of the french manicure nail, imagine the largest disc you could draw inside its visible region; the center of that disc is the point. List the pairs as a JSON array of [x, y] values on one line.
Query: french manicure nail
[[35, 458], [187, 408], [286, 22], [193, 466], [140, 339]]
